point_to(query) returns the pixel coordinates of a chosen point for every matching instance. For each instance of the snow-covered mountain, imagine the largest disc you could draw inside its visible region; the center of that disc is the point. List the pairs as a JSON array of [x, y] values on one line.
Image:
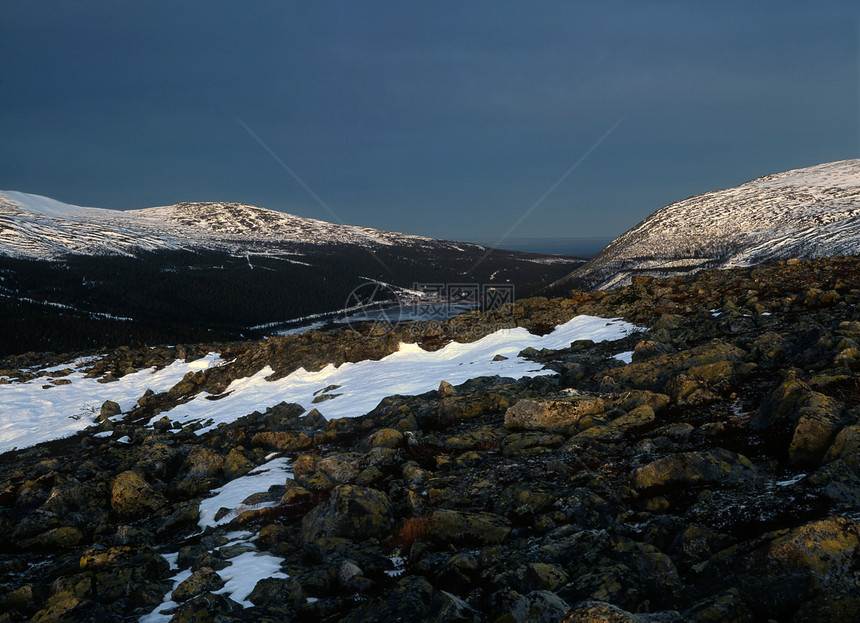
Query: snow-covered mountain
[[38, 227], [803, 213]]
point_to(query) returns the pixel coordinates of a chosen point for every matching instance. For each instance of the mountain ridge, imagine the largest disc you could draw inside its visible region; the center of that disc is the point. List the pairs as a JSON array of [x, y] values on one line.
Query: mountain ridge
[[804, 213], [37, 227]]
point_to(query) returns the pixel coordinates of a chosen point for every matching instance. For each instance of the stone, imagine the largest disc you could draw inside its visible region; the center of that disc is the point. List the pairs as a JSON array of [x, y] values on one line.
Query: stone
[[350, 512], [276, 592], [845, 446], [445, 389], [717, 466], [63, 537], [282, 440], [202, 580], [382, 438], [782, 403], [642, 415], [202, 462], [461, 526], [818, 423], [539, 607], [132, 496], [591, 611], [545, 576], [553, 416], [108, 410], [653, 373], [237, 464]]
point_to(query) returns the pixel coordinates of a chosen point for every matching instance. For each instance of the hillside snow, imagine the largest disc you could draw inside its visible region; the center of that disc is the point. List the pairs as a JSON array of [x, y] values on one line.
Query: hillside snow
[[803, 213], [36, 227]]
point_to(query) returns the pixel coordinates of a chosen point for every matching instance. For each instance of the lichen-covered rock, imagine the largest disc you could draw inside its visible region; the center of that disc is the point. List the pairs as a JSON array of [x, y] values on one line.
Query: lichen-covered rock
[[539, 607], [554, 416], [109, 409], [653, 373], [65, 536], [591, 611], [237, 464], [727, 607], [282, 440], [277, 592], [351, 512], [204, 579], [132, 496], [202, 462], [383, 438], [812, 568], [716, 466], [643, 415], [819, 421], [845, 446], [461, 526]]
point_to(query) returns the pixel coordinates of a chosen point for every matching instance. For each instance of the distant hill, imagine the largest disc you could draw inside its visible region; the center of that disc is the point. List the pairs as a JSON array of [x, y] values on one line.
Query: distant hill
[[803, 213], [74, 277]]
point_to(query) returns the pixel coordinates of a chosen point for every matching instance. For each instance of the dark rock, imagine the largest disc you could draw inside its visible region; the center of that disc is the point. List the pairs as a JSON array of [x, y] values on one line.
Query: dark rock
[[108, 410], [717, 466], [459, 526], [539, 607], [351, 512], [132, 496], [556, 416], [200, 581]]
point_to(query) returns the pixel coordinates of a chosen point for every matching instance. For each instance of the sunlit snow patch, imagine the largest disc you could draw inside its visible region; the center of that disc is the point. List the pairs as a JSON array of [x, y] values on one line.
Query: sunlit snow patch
[[31, 414], [409, 371], [231, 495], [245, 571], [626, 356], [240, 576]]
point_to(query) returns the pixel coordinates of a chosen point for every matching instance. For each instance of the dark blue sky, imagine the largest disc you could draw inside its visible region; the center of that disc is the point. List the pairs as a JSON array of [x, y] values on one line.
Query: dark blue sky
[[448, 119]]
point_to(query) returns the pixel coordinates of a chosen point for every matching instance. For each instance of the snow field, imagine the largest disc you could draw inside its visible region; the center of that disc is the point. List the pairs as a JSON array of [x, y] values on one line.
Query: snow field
[[31, 414], [409, 371]]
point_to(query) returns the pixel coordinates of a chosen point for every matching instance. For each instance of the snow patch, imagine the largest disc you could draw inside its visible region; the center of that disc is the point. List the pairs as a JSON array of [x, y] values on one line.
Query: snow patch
[[409, 371]]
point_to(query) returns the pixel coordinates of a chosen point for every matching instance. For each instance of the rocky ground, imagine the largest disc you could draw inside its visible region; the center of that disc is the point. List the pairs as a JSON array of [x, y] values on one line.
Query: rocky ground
[[714, 478]]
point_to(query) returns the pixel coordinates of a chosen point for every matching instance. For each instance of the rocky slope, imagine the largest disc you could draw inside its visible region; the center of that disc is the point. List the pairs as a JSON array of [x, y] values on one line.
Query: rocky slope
[[714, 477], [803, 213]]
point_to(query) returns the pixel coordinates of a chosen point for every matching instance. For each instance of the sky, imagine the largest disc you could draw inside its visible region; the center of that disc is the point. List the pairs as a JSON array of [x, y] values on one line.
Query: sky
[[462, 120]]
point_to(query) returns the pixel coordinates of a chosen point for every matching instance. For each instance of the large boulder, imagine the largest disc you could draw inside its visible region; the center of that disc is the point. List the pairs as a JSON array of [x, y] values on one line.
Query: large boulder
[[654, 373], [460, 526], [818, 423], [552, 415], [350, 512], [132, 496], [717, 466], [808, 573]]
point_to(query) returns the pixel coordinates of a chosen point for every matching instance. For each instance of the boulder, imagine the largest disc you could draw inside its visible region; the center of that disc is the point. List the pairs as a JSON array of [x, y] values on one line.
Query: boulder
[[109, 409], [819, 421], [382, 438], [202, 580], [282, 440], [461, 526], [554, 416], [350, 512], [716, 466], [845, 446], [653, 373], [539, 607], [132, 496], [202, 462]]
